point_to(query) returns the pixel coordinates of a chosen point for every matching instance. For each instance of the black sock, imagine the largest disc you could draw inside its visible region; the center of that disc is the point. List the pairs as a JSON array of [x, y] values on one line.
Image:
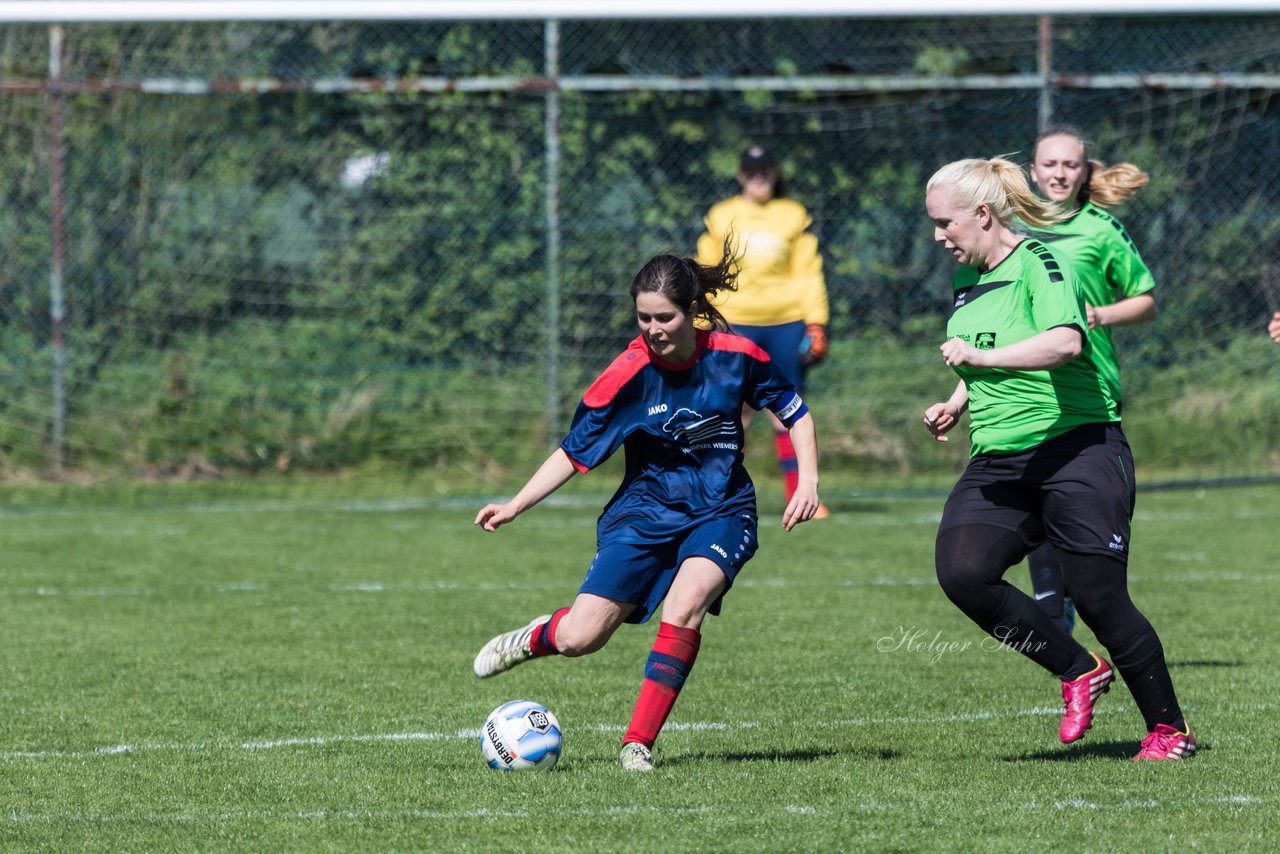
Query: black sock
[[1048, 584]]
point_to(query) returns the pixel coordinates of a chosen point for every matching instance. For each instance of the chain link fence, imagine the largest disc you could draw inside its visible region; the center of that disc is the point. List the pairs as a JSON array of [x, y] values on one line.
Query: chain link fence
[[319, 246]]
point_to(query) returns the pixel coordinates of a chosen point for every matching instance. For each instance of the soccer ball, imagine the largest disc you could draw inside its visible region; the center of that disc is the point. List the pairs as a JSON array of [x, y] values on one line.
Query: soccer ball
[[521, 736]]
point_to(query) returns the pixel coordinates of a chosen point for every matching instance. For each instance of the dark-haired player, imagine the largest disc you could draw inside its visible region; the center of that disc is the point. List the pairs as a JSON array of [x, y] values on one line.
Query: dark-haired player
[[683, 522]]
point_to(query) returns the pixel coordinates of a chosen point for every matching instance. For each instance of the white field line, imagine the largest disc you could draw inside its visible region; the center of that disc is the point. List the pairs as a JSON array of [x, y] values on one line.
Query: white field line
[[375, 587], [1201, 516], [469, 734], [543, 810]]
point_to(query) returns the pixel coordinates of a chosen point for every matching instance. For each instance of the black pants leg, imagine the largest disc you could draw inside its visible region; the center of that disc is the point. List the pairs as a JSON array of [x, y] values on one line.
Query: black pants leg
[[971, 561], [1099, 587]]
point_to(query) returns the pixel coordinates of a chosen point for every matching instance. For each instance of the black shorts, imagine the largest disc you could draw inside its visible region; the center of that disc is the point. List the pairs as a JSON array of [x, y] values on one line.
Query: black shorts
[[1075, 490]]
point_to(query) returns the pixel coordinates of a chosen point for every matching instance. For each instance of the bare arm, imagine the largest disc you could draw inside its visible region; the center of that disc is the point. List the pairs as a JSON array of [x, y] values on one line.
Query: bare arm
[[550, 476], [1042, 351], [804, 503], [1273, 328], [941, 417], [1126, 312]]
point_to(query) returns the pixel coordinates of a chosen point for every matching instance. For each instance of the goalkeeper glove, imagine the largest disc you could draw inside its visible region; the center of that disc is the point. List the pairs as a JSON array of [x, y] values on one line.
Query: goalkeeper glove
[[814, 347]]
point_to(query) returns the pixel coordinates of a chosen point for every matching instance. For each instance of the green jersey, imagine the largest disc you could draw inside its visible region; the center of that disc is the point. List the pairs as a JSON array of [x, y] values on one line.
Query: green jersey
[[1027, 293], [1108, 268]]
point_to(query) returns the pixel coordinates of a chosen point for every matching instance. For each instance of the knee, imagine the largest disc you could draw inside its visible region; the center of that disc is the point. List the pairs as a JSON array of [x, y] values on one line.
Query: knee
[[573, 640], [682, 617], [958, 579]]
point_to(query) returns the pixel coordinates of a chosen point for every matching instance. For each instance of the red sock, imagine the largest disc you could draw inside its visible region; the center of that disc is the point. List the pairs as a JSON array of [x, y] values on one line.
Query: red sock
[[543, 639], [668, 666], [787, 463]]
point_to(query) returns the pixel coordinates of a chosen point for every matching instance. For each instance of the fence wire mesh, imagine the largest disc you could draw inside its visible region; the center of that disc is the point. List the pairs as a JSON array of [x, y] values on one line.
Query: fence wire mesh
[[317, 246]]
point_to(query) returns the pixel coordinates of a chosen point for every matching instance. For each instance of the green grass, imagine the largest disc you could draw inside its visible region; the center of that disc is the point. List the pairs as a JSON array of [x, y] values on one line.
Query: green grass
[[289, 675]]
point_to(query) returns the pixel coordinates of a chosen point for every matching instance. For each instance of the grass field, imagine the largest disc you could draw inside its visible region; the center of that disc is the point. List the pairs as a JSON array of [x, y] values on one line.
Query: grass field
[[296, 676]]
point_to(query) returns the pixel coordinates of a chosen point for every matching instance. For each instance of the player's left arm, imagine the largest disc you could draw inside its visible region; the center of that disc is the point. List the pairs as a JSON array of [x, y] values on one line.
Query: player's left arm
[[804, 503], [1057, 310], [1043, 351], [1132, 283], [1125, 312], [811, 286]]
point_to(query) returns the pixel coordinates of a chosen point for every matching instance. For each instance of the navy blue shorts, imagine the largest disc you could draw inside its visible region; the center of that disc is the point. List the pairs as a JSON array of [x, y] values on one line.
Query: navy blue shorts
[[1075, 491], [640, 574], [782, 343]]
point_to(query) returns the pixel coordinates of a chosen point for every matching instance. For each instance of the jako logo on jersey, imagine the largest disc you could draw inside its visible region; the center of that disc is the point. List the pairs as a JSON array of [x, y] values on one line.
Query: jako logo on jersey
[[686, 425], [1117, 543], [724, 554], [985, 341], [655, 410]]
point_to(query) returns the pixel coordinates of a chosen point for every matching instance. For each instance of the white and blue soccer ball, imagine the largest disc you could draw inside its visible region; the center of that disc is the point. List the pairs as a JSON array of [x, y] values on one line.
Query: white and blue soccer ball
[[521, 736]]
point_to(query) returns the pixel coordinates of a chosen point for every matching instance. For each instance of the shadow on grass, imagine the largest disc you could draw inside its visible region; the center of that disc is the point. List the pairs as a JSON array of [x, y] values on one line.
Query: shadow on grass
[[809, 755], [1091, 750], [1206, 663], [1100, 749]]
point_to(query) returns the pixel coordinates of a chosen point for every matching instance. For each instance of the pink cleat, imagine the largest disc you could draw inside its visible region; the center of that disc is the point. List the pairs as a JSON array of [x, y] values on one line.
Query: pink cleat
[[1165, 743], [1079, 695]]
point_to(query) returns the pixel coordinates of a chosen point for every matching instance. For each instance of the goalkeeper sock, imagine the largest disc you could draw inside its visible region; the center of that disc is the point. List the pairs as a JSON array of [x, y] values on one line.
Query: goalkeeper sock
[[543, 640], [668, 666], [787, 463]]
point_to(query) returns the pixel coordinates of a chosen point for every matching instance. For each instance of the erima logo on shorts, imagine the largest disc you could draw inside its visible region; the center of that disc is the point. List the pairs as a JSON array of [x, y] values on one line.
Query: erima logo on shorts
[[1117, 543]]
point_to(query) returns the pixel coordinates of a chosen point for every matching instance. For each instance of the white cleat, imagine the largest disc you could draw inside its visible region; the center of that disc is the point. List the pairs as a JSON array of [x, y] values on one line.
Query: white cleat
[[507, 650], [636, 757]]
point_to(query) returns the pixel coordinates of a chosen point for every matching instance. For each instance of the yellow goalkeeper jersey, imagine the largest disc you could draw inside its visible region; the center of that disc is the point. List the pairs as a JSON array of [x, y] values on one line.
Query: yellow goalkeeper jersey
[[780, 271]]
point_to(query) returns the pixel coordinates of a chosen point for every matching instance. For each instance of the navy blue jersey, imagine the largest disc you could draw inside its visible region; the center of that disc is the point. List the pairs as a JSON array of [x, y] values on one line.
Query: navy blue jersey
[[681, 426]]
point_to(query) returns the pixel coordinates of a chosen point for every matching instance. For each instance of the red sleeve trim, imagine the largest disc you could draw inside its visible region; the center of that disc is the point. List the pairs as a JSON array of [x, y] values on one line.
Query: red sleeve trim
[[736, 344], [577, 465], [621, 371]]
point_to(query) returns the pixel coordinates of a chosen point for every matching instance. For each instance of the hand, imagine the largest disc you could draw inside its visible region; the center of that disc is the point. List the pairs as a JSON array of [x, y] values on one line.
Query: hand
[[801, 507], [957, 352], [1092, 315], [814, 349], [940, 418], [493, 516]]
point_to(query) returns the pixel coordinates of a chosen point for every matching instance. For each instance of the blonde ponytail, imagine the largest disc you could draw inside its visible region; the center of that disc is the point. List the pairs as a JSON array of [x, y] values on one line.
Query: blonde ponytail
[[1000, 184], [1111, 185]]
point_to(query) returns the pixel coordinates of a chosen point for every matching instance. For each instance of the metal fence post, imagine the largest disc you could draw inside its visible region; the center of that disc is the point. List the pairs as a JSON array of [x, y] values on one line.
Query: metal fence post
[[57, 249], [552, 45], [1044, 58]]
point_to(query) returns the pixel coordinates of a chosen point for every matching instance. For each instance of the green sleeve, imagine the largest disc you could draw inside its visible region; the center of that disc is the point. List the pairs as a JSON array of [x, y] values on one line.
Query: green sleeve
[[1055, 298], [1127, 273]]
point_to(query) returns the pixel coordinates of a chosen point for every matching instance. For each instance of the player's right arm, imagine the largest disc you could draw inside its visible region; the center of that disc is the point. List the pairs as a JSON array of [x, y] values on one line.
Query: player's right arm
[[711, 241], [941, 417], [550, 476]]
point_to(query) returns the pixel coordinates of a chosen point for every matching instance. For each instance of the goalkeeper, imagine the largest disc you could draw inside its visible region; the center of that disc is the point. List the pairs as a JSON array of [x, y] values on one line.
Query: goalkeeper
[[781, 300]]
